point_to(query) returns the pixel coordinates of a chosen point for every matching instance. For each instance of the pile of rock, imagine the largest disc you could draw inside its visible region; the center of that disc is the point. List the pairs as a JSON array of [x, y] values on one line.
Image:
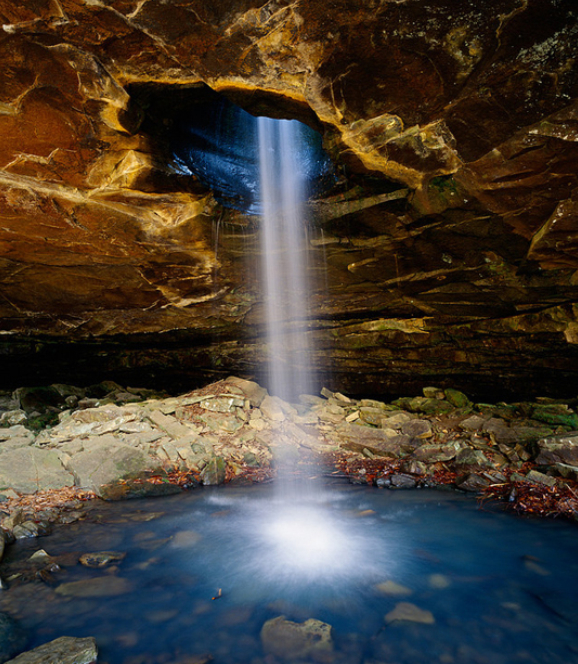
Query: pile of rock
[[123, 443]]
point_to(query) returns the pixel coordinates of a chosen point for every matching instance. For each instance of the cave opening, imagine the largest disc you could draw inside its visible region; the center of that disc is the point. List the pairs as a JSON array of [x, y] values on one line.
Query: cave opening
[[203, 135]]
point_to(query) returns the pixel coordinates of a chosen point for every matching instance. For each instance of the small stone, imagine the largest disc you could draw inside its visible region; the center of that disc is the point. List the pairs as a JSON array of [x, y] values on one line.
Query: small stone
[[26, 530], [472, 459], [394, 589], [185, 539], [253, 391], [438, 581], [40, 556], [101, 558], [407, 612]]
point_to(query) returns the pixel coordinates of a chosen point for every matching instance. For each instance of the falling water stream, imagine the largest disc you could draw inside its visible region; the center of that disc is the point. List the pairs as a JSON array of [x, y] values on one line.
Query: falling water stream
[[284, 251], [415, 577]]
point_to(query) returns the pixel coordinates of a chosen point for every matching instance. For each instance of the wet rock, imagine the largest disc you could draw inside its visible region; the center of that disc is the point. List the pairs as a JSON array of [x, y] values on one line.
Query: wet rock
[[101, 558], [473, 483], [288, 640], [435, 453], [129, 489], [12, 638], [558, 449], [214, 472], [102, 586], [65, 650], [29, 529], [438, 581], [473, 459], [400, 481], [408, 612]]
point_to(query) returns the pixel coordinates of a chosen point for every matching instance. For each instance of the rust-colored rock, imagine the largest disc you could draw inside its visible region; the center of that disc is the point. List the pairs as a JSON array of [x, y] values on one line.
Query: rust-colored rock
[[450, 240]]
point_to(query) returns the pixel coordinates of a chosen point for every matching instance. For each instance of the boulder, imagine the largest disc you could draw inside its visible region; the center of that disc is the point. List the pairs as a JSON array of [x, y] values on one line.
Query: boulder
[[558, 449], [29, 469], [65, 650], [105, 461]]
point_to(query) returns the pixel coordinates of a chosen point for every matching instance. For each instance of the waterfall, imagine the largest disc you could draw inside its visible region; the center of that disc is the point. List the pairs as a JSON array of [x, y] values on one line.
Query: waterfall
[[284, 249]]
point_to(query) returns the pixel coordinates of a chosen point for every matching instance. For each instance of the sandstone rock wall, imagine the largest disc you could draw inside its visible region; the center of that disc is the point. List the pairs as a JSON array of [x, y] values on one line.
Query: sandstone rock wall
[[467, 275]]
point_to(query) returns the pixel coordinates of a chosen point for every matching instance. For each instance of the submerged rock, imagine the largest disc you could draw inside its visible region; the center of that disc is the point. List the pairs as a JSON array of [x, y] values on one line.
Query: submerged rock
[[102, 586], [288, 640], [101, 558], [408, 612], [12, 638]]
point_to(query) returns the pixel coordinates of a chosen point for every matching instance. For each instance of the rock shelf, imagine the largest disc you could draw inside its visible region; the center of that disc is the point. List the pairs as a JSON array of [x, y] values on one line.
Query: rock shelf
[[136, 443]]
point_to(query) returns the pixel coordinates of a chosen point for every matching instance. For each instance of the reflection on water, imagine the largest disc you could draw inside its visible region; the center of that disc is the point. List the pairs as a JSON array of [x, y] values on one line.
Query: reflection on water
[[501, 589]]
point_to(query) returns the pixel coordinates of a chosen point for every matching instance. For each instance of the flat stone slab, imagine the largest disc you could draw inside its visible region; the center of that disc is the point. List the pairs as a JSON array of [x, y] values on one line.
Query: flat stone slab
[[30, 469], [65, 650], [106, 461]]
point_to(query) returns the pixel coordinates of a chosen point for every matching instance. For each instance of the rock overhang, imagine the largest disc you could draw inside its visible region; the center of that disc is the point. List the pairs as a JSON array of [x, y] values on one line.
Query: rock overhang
[[471, 114]]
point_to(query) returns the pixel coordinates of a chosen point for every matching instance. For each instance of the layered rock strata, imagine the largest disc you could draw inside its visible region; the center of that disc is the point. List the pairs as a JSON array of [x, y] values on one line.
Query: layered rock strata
[[448, 247]]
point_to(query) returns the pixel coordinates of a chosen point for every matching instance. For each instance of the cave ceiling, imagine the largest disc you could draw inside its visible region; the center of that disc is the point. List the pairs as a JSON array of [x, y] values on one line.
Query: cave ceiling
[[448, 245]]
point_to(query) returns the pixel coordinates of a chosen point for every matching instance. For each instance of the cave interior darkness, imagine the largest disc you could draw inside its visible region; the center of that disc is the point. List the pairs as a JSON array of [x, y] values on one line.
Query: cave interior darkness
[[203, 135]]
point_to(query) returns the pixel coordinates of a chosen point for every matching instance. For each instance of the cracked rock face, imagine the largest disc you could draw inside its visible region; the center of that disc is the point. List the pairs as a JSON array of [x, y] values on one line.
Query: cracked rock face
[[447, 249]]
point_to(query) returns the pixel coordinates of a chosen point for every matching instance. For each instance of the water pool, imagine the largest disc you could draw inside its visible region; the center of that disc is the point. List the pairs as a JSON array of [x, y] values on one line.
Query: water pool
[[205, 570]]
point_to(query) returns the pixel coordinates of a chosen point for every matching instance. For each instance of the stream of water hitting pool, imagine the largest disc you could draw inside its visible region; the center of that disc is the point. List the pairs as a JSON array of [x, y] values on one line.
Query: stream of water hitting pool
[[301, 532]]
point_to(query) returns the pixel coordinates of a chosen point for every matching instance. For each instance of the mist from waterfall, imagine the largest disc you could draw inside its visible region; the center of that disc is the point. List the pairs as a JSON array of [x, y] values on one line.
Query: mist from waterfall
[[284, 250]]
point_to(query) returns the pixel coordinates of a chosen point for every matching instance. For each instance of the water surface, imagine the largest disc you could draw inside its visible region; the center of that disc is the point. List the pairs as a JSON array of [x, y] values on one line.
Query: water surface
[[501, 588]]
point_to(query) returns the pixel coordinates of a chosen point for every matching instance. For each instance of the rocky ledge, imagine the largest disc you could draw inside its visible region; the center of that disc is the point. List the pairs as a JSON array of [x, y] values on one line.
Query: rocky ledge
[[133, 443]]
